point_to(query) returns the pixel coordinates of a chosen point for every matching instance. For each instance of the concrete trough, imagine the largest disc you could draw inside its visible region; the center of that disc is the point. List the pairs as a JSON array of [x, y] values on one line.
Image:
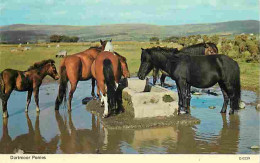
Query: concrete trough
[[144, 101]]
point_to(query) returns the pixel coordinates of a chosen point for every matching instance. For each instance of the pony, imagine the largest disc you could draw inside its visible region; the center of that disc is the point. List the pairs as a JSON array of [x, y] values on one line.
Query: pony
[[197, 49], [75, 68], [29, 80], [197, 71], [107, 70]]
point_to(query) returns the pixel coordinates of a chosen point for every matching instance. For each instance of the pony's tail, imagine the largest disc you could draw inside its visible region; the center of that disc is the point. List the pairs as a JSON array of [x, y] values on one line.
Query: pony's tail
[[110, 82], [2, 87], [62, 88], [237, 89]]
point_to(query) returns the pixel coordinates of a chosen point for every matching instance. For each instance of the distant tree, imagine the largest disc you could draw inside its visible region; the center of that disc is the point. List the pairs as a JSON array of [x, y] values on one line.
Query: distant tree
[[171, 39], [154, 39], [55, 38], [74, 39], [63, 38]]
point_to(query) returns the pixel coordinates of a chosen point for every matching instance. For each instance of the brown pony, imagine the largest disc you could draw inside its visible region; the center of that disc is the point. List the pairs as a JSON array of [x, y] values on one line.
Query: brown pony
[[124, 68], [74, 68], [108, 70], [29, 80]]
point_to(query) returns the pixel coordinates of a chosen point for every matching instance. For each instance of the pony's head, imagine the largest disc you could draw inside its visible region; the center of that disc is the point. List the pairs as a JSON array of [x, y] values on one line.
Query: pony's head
[[103, 44], [52, 71], [210, 49], [109, 46], [146, 64]]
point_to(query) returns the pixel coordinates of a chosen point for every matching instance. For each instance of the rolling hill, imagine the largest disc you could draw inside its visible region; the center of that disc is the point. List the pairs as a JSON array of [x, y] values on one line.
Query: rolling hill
[[122, 32]]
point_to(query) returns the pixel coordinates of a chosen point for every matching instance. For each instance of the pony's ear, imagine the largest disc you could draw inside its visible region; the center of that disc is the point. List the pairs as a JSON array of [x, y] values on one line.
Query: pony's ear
[[142, 49], [111, 40], [101, 42]]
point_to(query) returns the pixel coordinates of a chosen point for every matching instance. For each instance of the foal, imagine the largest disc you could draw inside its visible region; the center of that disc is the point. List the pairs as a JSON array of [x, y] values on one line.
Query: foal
[[29, 80]]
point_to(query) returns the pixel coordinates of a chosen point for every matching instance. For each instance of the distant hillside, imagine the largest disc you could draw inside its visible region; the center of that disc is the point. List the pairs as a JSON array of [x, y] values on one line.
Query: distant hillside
[[121, 32]]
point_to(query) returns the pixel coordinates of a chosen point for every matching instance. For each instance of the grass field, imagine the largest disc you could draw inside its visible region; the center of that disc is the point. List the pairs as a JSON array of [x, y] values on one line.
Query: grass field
[[21, 60]]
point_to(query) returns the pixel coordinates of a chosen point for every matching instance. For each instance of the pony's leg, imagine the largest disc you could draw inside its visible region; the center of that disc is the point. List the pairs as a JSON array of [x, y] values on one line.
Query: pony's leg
[[101, 86], [72, 90], [93, 88], [225, 96], [182, 84], [105, 114], [188, 97], [162, 79], [155, 74], [8, 91], [29, 95], [180, 102], [36, 98]]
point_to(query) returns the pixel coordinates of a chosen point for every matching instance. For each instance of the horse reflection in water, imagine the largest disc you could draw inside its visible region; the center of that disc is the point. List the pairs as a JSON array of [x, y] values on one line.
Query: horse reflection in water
[[31, 142], [178, 139], [74, 140], [225, 143]]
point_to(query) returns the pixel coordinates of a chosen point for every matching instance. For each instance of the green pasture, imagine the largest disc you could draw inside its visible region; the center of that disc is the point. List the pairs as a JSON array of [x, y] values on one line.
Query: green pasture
[[12, 56]]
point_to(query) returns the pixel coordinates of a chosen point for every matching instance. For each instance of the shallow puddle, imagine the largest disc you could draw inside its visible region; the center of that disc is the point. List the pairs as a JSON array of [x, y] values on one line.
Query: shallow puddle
[[81, 132]]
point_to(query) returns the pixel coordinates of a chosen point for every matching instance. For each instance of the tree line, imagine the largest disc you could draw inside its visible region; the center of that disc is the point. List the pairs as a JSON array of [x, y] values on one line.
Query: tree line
[[63, 38]]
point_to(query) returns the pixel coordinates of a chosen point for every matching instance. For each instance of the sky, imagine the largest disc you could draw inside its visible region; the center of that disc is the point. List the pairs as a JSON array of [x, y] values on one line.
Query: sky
[[100, 12]]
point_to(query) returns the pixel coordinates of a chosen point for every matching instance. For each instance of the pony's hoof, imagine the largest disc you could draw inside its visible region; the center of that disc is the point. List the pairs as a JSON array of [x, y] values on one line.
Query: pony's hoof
[[222, 112], [105, 116], [231, 112], [37, 109]]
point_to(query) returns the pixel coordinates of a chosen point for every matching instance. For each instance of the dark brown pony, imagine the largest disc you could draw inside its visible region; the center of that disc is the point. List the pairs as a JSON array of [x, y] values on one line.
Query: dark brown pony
[[75, 68], [29, 80], [107, 70]]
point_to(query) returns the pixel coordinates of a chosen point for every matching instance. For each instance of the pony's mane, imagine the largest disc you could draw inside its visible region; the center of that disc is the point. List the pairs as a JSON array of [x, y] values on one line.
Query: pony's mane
[[120, 56], [98, 48], [162, 50], [40, 64], [198, 49]]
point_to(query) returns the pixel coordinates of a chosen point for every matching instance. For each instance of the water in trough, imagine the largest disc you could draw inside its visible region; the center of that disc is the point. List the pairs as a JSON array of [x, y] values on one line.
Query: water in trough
[[81, 132]]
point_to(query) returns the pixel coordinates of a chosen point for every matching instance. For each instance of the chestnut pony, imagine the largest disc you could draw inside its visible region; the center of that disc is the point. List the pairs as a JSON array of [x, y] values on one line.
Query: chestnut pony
[[75, 68], [29, 80], [108, 69]]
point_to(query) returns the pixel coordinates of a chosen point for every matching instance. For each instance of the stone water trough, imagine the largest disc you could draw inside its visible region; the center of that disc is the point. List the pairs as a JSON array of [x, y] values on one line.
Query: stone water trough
[[144, 101], [145, 106]]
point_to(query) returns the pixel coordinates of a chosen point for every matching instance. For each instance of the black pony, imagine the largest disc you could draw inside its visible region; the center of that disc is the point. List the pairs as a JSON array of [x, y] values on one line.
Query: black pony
[[197, 71], [197, 49]]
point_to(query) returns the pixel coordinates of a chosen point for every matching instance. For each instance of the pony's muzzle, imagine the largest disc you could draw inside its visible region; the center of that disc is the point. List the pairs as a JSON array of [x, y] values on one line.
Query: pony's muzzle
[[57, 77]]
